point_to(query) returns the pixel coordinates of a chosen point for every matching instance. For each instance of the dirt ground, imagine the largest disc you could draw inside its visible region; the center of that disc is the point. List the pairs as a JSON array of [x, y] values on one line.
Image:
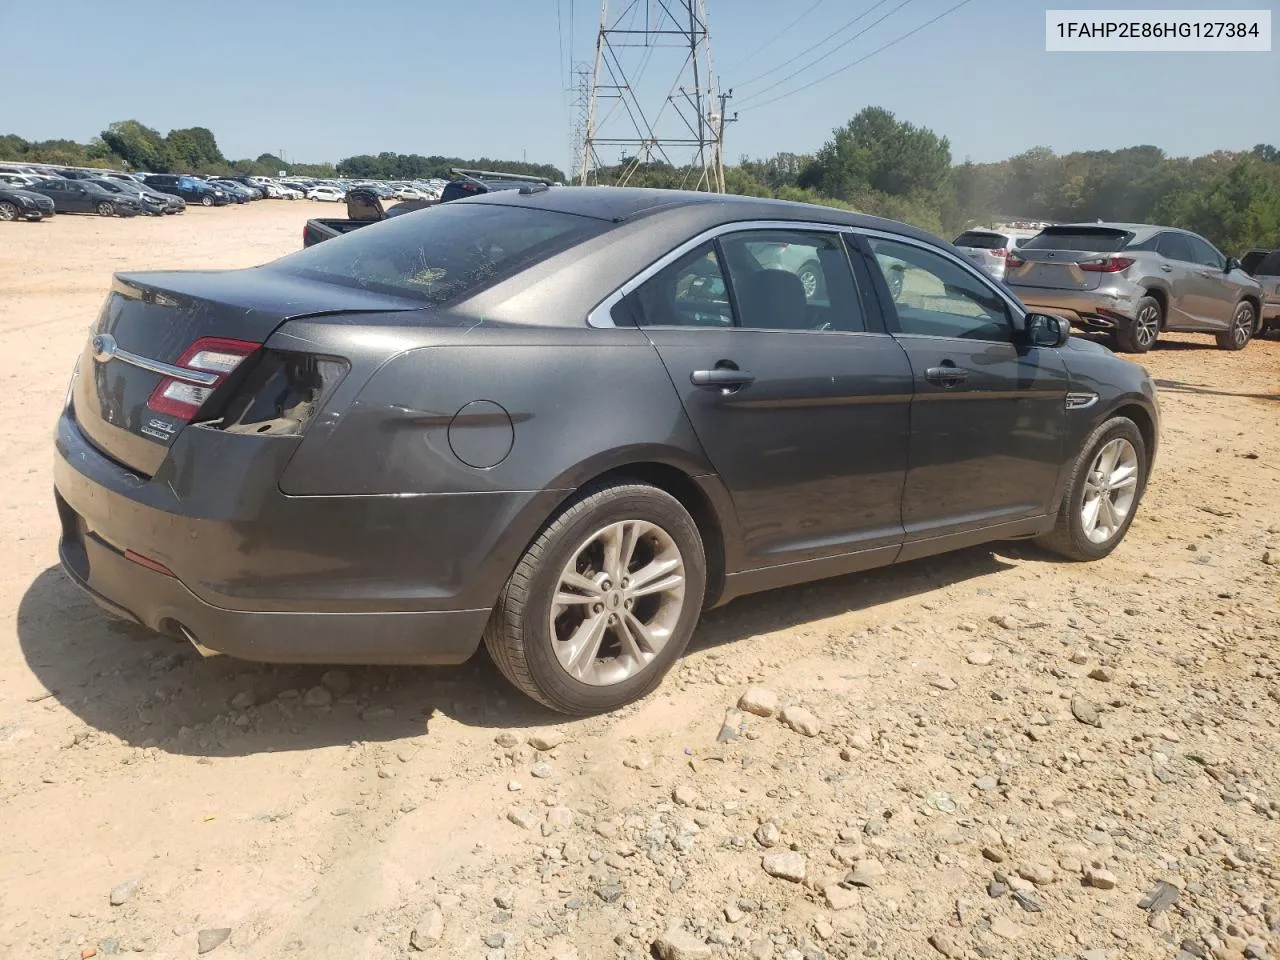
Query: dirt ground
[[1014, 758]]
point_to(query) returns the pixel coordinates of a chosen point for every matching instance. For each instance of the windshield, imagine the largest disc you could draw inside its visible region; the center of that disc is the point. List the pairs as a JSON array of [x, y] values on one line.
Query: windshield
[[981, 240], [444, 253], [1087, 239]]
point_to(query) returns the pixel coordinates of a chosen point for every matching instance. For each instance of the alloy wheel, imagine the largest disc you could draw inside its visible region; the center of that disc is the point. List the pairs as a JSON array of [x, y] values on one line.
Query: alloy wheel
[[1147, 326], [809, 280], [1242, 325], [1110, 489], [105, 209], [8, 211], [617, 602]]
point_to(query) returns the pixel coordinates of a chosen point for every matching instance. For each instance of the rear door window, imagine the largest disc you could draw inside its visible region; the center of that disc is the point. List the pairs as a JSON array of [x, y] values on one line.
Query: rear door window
[[1084, 239], [444, 254], [792, 280]]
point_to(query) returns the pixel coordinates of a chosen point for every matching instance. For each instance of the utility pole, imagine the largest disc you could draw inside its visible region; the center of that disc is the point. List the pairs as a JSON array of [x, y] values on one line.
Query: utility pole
[[579, 108], [637, 39], [722, 120]]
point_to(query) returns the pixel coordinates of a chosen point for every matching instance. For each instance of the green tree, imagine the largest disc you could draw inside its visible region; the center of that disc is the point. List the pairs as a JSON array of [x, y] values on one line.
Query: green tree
[[138, 146], [193, 149], [876, 152]]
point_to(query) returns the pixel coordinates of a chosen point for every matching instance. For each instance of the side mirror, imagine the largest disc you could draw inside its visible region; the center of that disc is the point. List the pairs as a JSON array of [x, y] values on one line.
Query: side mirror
[[1046, 330], [1232, 264]]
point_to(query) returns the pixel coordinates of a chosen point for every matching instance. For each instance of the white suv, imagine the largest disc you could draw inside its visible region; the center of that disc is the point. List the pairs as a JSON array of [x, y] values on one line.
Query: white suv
[[989, 248]]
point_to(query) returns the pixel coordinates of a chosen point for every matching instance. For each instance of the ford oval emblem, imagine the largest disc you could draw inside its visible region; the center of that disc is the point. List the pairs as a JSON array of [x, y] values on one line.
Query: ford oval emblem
[[104, 347]]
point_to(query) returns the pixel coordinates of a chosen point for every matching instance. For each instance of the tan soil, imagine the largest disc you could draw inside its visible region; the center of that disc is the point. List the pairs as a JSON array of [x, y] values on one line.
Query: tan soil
[[319, 833]]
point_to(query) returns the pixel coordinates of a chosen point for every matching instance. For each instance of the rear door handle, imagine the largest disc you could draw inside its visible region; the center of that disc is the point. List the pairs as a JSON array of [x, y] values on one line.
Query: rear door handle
[[946, 376], [1166, 268], [722, 378]]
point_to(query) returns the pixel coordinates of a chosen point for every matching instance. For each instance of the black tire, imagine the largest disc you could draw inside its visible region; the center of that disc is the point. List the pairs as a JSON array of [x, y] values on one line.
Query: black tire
[[810, 275], [1241, 331], [106, 209], [519, 636], [1138, 335], [1068, 538], [206, 201], [8, 210]]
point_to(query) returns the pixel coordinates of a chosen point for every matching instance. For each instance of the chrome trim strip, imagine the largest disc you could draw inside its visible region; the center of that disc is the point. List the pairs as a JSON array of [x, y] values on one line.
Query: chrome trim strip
[[601, 316], [105, 349], [1081, 401]]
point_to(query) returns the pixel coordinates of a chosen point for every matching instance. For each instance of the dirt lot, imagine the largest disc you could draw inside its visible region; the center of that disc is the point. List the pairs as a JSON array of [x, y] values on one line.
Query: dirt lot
[[1012, 752]]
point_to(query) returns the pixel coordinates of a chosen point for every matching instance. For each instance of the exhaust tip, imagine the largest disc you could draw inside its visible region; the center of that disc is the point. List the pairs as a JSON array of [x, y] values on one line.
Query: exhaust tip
[[200, 647]]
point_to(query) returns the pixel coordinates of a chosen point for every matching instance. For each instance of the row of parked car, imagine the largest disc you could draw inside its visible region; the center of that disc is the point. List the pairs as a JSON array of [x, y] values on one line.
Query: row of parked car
[[1134, 281]]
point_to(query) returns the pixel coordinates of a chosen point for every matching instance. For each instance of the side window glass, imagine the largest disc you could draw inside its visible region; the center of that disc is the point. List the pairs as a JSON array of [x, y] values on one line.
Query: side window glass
[[1205, 255], [936, 297], [691, 292], [1175, 246], [792, 280]]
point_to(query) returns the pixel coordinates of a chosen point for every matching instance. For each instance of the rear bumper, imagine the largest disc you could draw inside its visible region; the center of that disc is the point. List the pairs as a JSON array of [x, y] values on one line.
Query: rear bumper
[[1271, 312], [1088, 309], [264, 576]]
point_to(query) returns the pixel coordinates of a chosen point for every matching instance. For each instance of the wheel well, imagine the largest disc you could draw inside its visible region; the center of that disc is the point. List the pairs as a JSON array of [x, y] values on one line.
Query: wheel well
[[676, 482], [1146, 427], [1256, 303], [1160, 297]]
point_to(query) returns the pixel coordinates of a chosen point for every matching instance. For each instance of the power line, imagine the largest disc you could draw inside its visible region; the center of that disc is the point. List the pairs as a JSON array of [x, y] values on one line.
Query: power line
[[809, 49], [879, 49], [777, 36], [836, 49]]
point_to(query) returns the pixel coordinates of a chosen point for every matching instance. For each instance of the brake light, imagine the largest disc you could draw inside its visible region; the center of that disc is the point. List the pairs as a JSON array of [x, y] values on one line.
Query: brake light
[[1002, 253], [211, 355], [1106, 264], [1013, 260]]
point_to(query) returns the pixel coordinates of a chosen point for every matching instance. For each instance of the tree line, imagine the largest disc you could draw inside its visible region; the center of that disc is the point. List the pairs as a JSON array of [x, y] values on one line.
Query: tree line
[[875, 163]]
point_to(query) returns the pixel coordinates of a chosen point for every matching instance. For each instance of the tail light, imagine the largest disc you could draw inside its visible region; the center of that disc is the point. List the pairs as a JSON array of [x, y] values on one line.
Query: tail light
[[1106, 264], [213, 356], [1002, 253], [1013, 260]]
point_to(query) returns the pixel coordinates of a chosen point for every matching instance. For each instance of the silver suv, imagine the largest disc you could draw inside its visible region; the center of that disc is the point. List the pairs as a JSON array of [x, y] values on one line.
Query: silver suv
[[989, 249], [1136, 280]]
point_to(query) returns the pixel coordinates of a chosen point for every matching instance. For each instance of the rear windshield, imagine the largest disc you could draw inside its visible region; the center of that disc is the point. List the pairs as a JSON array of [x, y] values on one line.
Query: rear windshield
[[1269, 266], [981, 240], [443, 253], [1093, 239]]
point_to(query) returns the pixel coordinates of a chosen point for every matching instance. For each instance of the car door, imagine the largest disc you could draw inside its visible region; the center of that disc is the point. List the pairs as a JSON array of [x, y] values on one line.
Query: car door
[[1178, 267], [1216, 293], [78, 197], [798, 396], [989, 410]]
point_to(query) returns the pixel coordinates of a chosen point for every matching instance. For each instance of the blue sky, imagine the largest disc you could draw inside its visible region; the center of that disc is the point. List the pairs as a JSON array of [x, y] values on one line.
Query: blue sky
[[327, 78]]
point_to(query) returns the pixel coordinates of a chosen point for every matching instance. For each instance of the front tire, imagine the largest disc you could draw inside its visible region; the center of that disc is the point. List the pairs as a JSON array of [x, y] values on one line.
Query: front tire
[[1238, 335], [603, 602], [106, 209], [8, 210], [1102, 496], [206, 201], [1139, 334]]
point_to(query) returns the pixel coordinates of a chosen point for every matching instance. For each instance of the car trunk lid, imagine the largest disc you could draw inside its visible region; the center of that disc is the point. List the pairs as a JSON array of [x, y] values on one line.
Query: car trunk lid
[[1063, 258], [165, 340]]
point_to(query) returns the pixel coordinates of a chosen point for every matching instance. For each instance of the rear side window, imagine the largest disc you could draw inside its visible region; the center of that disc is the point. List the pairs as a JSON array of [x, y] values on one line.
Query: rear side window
[[445, 253], [1085, 239], [981, 240], [1269, 266]]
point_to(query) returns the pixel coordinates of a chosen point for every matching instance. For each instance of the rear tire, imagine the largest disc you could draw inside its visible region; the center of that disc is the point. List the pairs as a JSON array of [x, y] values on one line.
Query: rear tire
[[206, 201], [1238, 335], [1094, 478], [531, 637], [810, 275], [8, 210], [1139, 334]]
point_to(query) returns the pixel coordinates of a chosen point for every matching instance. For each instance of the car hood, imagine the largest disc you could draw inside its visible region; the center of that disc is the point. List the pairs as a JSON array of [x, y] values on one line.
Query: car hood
[[10, 193]]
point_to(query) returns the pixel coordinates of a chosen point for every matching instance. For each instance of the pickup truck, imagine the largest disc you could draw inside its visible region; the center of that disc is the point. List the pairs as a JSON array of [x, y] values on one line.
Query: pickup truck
[[364, 207]]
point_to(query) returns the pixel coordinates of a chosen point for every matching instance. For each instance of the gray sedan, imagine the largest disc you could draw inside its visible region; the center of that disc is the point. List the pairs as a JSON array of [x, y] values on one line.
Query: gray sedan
[[562, 423]]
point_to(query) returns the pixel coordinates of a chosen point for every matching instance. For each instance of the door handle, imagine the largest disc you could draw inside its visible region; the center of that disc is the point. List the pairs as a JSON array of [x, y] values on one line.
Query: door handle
[[947, 376], [727, 378], [1166, 268]]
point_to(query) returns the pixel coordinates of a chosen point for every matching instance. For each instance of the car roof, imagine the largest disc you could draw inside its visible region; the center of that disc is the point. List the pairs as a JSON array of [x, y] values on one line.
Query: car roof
[[1141, 231], [623, 204]]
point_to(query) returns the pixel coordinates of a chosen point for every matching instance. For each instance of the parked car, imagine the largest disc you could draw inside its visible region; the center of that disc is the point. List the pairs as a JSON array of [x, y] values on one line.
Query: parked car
[[407, 193], [1264, 266], [190, 189], [471, 183], [18, 180], [238, 192], [1135, 281], [257, 189], [990, 248], [363, 208], [515, 421], [152, 202], [280, 191], [19, 203], [85, 196], [325, 193]]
